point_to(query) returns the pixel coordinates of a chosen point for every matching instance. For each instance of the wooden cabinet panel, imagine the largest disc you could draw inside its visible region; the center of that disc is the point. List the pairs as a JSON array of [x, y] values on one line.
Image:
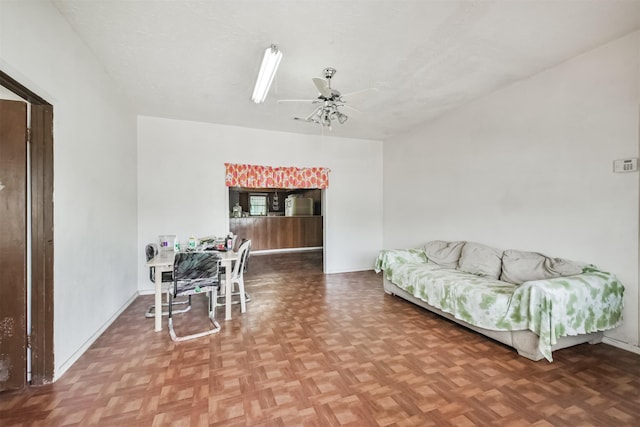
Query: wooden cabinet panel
[[311, 234], [279, 232]]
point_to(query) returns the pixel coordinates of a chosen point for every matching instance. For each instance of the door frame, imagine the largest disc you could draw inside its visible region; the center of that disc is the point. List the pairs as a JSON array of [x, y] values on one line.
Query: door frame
[[41, 152]]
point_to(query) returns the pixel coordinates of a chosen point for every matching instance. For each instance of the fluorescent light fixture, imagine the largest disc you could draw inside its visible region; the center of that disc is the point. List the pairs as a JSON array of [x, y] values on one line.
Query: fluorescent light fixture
[[270, 62]]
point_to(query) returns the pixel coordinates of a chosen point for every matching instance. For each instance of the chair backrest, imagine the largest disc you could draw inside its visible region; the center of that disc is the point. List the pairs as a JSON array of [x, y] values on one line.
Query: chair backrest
[[246, 261], [151, 250], [243, 255], [195, 270]]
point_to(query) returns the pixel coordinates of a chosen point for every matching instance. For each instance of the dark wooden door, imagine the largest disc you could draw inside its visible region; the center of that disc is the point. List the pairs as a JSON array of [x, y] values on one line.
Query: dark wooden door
[[13, 244]]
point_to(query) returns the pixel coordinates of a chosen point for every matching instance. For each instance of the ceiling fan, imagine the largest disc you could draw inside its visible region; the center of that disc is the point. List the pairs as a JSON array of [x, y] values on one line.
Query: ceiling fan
[[330, 100]]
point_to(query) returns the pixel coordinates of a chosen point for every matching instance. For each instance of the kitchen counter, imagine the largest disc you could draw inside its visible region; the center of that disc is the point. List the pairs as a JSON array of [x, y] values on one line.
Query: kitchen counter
[[279, 232]]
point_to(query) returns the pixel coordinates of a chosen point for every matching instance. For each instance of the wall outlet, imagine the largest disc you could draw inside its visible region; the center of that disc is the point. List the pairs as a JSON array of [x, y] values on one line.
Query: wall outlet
[[625, 165]]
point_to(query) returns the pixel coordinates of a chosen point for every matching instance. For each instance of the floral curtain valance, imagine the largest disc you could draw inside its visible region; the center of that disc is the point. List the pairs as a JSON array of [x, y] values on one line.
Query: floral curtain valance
[[254, 176]]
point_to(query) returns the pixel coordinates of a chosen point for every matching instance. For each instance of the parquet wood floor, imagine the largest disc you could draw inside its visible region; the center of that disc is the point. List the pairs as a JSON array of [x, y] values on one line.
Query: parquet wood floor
[[316, 350]]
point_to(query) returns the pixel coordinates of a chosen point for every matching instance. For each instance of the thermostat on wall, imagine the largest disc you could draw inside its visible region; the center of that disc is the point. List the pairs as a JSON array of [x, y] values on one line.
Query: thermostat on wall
[[625, 165]]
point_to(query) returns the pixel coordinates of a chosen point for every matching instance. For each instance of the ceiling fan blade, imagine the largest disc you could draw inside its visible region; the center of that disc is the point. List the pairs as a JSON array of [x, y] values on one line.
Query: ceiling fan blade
[[315, 112], [323, 87], [351, 108], [311, 101], [374, 89], [311, 118]]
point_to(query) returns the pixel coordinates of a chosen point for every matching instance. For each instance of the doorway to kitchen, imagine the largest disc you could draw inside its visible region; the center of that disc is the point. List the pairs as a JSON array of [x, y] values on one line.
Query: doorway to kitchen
[[277, 219], [281, 209]]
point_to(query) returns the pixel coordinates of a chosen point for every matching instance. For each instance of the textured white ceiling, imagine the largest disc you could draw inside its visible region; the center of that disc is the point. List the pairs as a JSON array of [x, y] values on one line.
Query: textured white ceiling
[[197, 60]]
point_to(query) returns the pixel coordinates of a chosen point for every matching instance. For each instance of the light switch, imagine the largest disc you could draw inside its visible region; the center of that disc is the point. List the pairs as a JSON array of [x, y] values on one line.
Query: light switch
[[625, 165]]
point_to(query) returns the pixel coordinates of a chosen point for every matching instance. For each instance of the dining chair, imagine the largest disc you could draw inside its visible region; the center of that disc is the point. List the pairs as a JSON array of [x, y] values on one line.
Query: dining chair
[[237, 279], [246, 262], [151, 250], [195, 273]]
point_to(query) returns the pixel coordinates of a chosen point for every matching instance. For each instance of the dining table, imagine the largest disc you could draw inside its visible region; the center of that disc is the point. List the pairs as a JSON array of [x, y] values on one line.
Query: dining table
[[163, 261]]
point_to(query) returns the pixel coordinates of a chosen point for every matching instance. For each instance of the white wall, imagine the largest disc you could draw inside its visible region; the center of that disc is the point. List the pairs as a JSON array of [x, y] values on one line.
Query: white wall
[[181, 184], [530, 168], [95, 228]]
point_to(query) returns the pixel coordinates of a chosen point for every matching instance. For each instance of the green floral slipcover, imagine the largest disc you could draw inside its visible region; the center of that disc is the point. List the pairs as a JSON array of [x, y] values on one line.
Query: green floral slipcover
[[553, 308]]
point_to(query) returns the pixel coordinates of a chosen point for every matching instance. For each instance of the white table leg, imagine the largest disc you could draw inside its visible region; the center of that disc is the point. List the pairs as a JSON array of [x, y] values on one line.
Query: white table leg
[[227, 289], [158, 310]]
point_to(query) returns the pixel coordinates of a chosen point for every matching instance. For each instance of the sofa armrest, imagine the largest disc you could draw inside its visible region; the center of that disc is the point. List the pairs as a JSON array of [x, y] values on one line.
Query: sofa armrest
[[388, 257], [568, 306]]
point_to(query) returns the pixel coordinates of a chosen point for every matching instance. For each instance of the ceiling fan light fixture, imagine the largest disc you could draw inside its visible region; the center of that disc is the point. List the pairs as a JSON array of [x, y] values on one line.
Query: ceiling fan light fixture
[[331, 100], [268, 68]]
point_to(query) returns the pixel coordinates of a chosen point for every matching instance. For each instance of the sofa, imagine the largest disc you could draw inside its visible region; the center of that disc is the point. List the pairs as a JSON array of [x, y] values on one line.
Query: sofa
[[526, 300]]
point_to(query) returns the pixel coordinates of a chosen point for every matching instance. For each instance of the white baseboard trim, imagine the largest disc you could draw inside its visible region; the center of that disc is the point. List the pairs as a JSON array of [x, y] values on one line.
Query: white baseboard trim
[[353, 270], [622, 345], [277, 251], [75, 356]]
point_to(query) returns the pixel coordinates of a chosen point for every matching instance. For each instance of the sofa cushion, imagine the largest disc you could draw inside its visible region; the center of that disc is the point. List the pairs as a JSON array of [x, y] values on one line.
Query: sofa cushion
[[445, 254], [481, 260], [519, 267]]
